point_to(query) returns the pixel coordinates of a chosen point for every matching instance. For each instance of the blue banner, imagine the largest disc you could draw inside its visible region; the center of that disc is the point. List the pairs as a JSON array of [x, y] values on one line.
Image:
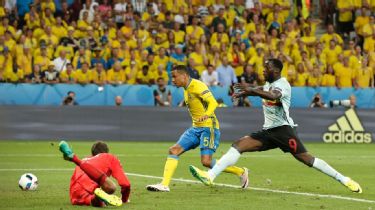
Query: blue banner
[[142, 95]]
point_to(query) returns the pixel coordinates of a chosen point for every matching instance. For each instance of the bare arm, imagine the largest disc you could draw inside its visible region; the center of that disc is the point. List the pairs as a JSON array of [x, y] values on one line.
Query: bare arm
[[257, 91]]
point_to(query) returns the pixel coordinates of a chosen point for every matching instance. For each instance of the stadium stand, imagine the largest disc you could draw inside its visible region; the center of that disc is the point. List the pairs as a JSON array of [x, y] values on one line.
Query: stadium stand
[[138, 41]]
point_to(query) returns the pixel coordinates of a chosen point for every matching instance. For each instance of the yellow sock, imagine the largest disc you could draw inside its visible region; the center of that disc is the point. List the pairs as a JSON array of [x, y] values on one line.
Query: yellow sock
[[234, 170], [231, 169], [169, 169]]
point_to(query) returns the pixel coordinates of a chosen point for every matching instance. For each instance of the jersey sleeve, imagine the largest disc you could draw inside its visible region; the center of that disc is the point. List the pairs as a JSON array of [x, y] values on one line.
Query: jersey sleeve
[[202, 91], [283, 87], [206, 95], [119, 174]]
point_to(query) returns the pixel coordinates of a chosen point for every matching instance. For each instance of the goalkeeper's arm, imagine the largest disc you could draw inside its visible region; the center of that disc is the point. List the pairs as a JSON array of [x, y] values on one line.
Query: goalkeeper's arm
[[119, 174]]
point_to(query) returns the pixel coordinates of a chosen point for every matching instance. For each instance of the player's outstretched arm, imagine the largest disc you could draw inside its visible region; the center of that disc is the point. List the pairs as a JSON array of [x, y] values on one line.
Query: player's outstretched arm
[[119, 174], [257, 91]]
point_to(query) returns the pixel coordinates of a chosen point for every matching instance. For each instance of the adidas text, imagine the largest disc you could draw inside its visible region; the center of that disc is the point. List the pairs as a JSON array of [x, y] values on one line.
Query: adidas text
[[347, 137]]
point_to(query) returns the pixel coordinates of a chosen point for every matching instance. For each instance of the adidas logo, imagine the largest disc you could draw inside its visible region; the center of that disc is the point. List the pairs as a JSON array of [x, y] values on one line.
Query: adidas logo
[[347, 129]]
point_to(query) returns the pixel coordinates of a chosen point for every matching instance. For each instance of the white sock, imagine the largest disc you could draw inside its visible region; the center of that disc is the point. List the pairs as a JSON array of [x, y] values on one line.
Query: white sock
[[322, 166], [229, 159]]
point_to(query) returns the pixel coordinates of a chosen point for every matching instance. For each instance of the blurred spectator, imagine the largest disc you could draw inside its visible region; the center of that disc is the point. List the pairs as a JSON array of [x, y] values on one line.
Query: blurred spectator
[[226, 73], [178, 57], [70, 99], [116, 75], [330, 35], [35, 76], [210, 76], [68, 75], [365, 75], [249, 76], [162, 94], [105, 9], [317, 102], [97, 57], [118, 101], [219, 19], [131, 72], [161, 72], [193, 72], [120, 11], [236, 59], [140, 5], [98, 75], [345, 75], [145, 77], [51, 76], [61, 61], [345, 16], [329, 78], [83, 76]]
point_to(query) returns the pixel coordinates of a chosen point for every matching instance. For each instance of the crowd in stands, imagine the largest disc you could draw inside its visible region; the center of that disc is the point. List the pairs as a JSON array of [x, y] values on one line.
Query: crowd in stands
[[221, 41]]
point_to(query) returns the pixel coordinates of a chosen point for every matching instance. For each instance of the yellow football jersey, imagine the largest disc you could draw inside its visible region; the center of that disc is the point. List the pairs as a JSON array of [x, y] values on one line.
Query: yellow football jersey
[[197, 97]]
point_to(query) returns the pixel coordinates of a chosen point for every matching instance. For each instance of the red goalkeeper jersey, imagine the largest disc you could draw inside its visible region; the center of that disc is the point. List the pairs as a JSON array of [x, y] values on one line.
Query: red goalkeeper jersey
[[82, 187]]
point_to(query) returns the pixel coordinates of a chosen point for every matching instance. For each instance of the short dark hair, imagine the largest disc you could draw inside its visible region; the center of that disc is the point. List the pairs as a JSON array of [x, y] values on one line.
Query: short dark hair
[[276, 63], [181, 69], [99, 147]]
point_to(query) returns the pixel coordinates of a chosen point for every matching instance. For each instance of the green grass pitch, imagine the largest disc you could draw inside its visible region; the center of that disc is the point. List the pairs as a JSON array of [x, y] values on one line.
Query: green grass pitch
[[272, 170]]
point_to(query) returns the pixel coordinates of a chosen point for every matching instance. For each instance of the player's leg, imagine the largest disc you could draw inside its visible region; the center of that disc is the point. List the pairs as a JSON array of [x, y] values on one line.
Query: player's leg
[[325, 168], [104, 195], [171, 164], [245, 144], [95, 174], [209, 142], [186, 142], [291, 143], [169, 168]]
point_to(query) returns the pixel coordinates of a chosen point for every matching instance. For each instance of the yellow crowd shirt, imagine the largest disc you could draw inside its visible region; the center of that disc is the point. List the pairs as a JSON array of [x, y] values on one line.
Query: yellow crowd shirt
[[301, 79], [115, 76], [67, 77], [83, 77], [344, 76], [198, 60], [363, 77], [347, 15], [328, 80]]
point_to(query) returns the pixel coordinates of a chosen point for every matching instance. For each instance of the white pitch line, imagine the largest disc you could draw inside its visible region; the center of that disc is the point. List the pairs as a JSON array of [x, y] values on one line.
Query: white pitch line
[[193, 155], [217, 184]]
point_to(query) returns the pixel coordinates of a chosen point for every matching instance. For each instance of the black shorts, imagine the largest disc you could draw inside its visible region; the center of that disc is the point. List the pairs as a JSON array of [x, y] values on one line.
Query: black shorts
[[283, 137]]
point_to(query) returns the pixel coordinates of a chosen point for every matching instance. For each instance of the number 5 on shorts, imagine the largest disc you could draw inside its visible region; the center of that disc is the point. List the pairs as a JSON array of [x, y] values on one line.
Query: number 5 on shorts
[[206, 141]]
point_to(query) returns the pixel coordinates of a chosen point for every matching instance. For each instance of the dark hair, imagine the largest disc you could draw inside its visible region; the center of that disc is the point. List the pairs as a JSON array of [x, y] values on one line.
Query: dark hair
[[99, 147], [181, 69], [67, 101], [276, 63]]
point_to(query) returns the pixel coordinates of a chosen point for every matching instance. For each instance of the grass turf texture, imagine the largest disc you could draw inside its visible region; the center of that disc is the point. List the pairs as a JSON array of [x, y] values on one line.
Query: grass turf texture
[[271, 169]]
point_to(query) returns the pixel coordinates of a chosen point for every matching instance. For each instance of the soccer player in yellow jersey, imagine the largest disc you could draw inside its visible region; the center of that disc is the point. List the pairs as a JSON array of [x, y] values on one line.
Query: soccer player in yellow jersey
[[204, 133]]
